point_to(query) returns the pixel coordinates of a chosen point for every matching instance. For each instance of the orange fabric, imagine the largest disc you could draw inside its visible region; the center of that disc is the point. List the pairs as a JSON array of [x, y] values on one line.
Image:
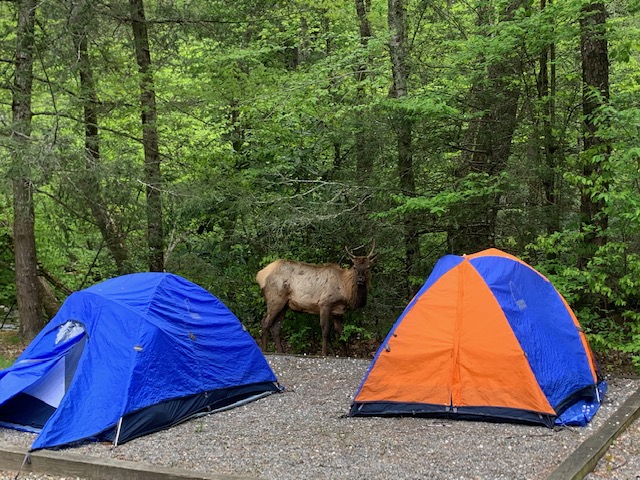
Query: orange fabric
[[418, 366], [454, 347]]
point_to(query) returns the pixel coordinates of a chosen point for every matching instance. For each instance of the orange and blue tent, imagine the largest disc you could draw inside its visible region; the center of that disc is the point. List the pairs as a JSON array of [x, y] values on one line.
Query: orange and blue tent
[[487, 337]]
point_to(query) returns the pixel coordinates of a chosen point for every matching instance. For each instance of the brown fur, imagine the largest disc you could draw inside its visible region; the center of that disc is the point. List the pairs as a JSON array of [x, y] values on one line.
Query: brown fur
[[325, 290]]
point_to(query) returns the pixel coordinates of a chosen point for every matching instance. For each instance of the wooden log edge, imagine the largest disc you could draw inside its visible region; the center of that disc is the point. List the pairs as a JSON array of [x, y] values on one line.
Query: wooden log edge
[[585, 458], [64, 464]]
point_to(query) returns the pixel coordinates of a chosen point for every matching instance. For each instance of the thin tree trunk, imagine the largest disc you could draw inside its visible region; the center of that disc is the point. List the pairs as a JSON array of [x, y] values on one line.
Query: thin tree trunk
[[26, 270], [364, 159], [546, 92], [398, 49], [303, 47], [92, 190], [595, 79], [153, 177]]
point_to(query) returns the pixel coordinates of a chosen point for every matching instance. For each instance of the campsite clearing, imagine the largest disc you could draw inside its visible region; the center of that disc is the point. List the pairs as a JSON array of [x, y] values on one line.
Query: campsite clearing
[[304, 433]]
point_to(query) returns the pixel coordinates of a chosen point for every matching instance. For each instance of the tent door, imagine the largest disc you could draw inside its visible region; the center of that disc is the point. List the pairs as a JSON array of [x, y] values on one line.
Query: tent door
[[30, 409]]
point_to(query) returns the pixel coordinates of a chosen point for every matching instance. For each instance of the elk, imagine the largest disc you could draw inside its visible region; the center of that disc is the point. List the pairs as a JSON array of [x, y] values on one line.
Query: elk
[[326, 290]]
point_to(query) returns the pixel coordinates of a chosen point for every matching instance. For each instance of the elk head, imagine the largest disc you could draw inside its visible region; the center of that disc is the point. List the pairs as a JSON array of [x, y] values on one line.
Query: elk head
[[362, 265]]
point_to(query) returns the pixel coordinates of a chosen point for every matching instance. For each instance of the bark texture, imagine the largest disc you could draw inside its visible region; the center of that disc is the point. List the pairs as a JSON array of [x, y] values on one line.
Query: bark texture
[[26, 270], [91, 186], [595, 80]]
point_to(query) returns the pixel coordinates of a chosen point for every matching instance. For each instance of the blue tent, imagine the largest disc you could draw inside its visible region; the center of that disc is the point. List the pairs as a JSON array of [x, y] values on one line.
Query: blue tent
[[130, 356]]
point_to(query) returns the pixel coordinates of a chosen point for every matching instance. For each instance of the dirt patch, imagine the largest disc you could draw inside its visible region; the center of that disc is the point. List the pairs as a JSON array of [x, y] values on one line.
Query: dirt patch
[[11, 345], [617, 364]]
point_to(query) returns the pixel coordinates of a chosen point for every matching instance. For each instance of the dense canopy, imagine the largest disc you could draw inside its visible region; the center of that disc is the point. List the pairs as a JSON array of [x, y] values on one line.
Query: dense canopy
[[209, 138]]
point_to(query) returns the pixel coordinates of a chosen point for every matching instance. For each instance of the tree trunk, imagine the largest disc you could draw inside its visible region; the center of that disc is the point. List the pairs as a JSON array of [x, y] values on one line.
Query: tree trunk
[[595, 79], [303, 46], [546, 93], [153, 177], [398, 49], [92, 190], [26, 270], [364, 159], [50, 302]]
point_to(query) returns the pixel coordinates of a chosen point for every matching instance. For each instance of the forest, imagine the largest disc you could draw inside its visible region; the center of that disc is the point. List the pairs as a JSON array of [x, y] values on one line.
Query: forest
[[208, 138]]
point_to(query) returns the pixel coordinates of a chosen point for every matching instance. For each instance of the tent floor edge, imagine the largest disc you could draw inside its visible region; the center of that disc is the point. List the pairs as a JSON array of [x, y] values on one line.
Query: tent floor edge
[[172, 412], [482, 414]]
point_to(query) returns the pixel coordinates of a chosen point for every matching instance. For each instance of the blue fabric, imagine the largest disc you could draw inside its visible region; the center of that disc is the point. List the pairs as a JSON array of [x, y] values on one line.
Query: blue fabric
[[582, 411], [151, 337], [30, 367], [541, 323]]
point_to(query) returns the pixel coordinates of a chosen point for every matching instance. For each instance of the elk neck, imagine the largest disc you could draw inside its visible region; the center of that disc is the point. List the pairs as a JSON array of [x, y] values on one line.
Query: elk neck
[[359, 297]]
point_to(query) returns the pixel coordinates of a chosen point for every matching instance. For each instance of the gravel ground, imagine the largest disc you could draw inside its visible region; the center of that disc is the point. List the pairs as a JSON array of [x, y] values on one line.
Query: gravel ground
[[622, 460], [303, 433]]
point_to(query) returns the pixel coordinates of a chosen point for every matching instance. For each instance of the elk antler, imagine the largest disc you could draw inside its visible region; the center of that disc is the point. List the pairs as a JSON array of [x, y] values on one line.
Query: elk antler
[[372, 247], [371, 255]]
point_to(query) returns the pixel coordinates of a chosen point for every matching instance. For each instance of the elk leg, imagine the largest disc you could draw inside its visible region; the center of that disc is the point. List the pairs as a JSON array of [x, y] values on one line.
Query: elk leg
[[273, 314], [275, 330], [265, 324], [337, 328], [325, 325]]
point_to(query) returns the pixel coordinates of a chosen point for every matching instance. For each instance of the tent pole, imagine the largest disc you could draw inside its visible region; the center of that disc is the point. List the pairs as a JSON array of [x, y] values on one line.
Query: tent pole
[[115, 441]]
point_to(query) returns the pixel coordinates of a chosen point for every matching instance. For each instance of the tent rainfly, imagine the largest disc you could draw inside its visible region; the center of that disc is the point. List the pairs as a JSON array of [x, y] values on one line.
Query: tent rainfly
[[486, 337], [130, 356]]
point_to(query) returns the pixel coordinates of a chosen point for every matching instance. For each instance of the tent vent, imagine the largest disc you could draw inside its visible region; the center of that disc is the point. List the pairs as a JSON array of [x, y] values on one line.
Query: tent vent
[[69, 330]]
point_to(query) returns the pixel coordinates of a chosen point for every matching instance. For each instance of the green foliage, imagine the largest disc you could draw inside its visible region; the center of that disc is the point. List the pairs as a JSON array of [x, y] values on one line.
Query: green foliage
[[351, 333], [7, 280], [302, 332], [12, 341], [5, 362], [473, 187]]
